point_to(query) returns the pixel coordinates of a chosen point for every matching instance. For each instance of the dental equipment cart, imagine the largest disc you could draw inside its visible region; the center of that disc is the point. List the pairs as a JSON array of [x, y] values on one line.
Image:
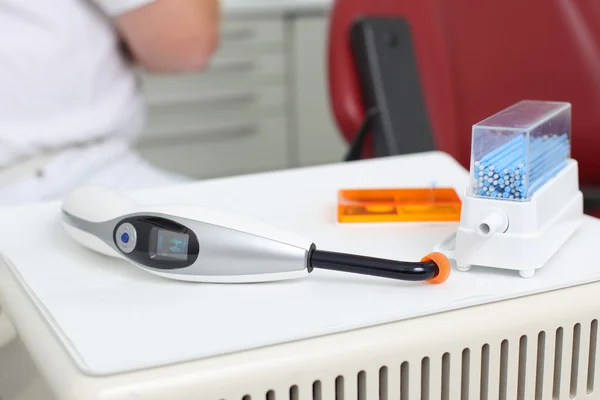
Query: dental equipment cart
[[78, 325]]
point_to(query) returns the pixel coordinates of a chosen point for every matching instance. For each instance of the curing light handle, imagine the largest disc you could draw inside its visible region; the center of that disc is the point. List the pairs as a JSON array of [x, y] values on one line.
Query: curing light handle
[[434, 268]]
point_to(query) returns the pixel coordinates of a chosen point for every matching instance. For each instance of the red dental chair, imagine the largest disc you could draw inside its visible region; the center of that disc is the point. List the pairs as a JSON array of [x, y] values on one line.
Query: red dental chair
[[475, 58]]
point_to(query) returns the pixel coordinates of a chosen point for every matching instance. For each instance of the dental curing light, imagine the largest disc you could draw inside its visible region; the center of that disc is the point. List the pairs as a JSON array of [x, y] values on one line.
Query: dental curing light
[[188, 243], [523, 201]]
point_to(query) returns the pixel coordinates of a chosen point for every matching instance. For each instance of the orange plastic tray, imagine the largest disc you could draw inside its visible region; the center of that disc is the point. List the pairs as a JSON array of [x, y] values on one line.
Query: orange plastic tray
[[399, 205]]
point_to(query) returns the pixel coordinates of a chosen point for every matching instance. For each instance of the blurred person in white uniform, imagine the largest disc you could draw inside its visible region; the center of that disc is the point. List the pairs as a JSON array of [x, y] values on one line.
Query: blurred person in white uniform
[[70, 104]]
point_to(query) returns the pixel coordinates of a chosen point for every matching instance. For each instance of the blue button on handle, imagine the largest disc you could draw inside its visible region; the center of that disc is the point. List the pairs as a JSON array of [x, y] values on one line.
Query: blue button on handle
[[125, 237]]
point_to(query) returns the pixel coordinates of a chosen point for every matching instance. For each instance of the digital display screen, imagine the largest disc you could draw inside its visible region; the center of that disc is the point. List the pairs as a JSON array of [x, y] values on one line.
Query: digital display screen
[[171, 245]]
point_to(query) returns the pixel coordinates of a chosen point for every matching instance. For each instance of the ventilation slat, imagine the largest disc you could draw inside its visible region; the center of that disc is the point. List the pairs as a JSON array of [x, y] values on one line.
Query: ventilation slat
[[555, 364], [493, 379], [558, 351], [425, 379], [383, 383], [540, 365], [465, 379], [405, 381], [593, 369], [339, 388], [584, 352], [485, 372], [522, 368], [294, 393], [503, 370], [317, 390]]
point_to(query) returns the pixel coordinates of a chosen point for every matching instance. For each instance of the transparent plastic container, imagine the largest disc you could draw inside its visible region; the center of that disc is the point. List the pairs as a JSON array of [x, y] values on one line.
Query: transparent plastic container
[[516, 151]]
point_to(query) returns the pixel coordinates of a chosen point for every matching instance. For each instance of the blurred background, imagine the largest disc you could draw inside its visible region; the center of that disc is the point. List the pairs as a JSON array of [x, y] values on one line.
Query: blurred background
[[290, 85], [261, 104]]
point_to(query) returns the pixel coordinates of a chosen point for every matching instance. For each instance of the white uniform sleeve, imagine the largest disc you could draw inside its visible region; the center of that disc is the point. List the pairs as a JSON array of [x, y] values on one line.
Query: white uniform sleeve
[[117, 7]]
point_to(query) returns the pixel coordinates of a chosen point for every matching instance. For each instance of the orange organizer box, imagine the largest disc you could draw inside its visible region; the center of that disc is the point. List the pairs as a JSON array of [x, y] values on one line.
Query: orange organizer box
[[399, 205]]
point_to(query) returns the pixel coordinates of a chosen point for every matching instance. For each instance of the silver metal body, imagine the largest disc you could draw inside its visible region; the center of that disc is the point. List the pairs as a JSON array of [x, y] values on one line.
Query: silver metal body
[[231, 249]]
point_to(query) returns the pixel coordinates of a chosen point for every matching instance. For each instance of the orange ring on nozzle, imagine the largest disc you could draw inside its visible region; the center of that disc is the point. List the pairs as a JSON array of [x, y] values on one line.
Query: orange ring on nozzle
[[443, 265]]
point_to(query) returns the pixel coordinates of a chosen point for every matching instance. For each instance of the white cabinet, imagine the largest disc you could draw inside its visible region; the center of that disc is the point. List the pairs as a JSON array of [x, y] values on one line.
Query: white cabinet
[[231, 148], [318, 138], [260, 105], [228, 119]]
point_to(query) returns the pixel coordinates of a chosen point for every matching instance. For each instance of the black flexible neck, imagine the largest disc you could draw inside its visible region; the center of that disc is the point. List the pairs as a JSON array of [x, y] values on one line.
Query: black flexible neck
[[402, 270], [356, 147]]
